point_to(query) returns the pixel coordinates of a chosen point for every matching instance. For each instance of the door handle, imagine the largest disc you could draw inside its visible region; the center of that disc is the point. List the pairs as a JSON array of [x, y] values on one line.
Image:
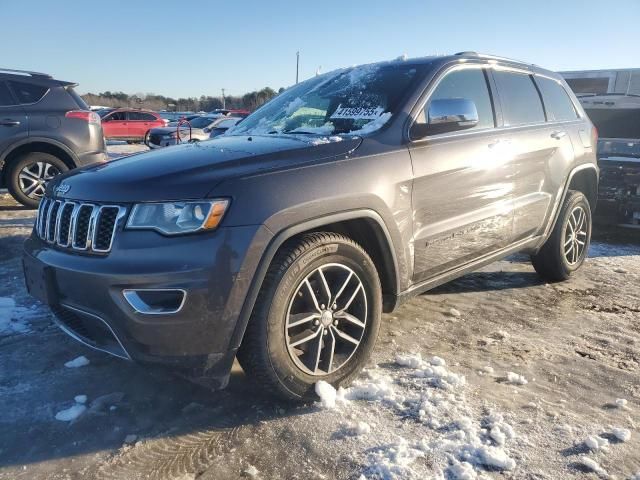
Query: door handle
[[9, 123], [558, 135]]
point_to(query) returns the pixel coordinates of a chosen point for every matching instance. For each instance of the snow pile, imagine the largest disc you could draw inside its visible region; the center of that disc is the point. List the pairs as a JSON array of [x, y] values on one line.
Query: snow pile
[[294, 105], [621, 403], [454, 312], [594, 442], [251, 471], [621, 434], [13, 319], [327, 394], [458, 444], [591, 465], [74, 411], [515, 379], [77, 362]]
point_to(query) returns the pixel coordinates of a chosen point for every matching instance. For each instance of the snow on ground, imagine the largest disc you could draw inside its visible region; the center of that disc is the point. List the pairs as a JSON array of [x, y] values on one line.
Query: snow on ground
[[77, 362], [459, 441], [15, 319]]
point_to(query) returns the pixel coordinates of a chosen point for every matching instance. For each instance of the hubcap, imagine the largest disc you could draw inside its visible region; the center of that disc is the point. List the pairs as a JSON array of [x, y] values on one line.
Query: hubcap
[[575, 236], [326, 319], [33, 178]]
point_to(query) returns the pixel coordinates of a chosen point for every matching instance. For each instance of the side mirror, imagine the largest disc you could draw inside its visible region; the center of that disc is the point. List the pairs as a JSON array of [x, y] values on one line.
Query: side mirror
[[206, 129], [446, 115]]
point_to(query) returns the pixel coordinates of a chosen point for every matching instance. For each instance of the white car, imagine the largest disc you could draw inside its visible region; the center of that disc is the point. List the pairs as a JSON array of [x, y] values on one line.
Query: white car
[[197, 130]]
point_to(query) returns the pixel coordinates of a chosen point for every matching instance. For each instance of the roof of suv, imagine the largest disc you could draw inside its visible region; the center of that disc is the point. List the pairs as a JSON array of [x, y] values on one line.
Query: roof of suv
[[21, 75]]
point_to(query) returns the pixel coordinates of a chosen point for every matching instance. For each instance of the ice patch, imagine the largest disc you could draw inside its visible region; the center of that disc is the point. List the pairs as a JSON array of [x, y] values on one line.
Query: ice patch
[[80, 399], [71, 413], [373, 125], [13, 319], [621, 434], [454, 312], [294, 105], [77, 362], [515, 379]]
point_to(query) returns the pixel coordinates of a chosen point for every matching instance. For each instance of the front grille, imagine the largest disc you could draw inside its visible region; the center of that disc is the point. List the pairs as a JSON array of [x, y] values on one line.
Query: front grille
[[78, 226]]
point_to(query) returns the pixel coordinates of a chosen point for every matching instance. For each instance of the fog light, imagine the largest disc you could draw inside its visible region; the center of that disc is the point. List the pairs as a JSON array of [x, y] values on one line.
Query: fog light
[[156, 301]]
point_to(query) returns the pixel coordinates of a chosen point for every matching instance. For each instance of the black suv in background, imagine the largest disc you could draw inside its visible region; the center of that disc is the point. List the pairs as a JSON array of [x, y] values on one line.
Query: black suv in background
[[45, 129], [284, 240]]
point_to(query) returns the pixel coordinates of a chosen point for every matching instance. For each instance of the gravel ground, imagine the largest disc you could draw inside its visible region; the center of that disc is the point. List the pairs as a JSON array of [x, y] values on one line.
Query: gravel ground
[[467, 413]]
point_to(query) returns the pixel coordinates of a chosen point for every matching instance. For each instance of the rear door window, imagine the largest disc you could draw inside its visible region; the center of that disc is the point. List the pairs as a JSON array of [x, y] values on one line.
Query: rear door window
[[28, 92], [117, 117], [6, 99], [147, 117], [519, 97], [556, 100]]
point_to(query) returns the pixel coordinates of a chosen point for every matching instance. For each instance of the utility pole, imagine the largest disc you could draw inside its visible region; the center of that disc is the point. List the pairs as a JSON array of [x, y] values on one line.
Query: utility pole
[[297, 64], [224, 101]]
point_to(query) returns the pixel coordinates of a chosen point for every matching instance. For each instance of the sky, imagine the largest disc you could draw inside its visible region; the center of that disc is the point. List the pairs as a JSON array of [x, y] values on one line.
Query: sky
[[188, 48]]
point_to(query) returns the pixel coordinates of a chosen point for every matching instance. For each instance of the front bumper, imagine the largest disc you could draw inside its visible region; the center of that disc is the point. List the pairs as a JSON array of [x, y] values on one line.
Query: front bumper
[[86, 295]]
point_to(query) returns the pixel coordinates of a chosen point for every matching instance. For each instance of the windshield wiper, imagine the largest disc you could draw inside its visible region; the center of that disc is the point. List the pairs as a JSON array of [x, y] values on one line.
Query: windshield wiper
[[301, 132]]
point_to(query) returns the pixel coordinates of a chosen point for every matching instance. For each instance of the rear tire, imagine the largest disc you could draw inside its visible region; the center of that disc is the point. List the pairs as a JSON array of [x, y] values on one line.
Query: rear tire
[[28, 175], [565, 250], [331, 279]]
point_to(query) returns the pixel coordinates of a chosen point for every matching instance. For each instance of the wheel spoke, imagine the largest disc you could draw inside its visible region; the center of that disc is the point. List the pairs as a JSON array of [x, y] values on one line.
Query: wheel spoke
[[27, 174], [350, 318], [326, 286], [312, 293], [318, 351], [30, 189], [332, 351], [353, 296], [40, 166], [301, 318], [345, 336], [344, 285], [568, 242], [303, 338]]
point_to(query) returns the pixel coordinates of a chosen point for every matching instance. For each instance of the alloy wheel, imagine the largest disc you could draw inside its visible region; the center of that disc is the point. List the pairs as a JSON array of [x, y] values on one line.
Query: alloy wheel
[[326, 319], [34, 176], [575, 236]]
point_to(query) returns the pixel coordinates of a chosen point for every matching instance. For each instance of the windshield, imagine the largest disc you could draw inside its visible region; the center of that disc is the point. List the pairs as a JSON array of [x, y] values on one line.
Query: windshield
[[199, 122], [356, 100]]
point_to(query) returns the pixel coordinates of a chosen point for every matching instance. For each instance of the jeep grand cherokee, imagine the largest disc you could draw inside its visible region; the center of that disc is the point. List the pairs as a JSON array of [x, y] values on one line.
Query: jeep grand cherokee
[[284, 240]]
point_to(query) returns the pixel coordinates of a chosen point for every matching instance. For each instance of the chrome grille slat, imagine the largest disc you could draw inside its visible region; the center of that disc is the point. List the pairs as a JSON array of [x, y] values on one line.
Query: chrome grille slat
[[77, 226]]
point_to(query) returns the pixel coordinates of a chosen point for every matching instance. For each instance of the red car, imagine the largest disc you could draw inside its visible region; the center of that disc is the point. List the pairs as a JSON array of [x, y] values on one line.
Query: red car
[[130, 124]]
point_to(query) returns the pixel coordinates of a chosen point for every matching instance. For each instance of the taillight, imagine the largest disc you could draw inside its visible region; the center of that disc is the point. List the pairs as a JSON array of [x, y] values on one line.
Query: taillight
[[86, 115]]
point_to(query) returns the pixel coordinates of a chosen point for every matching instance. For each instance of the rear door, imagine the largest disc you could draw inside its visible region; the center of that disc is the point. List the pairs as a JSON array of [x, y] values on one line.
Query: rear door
[[114, 125], [139, 124], [540, 151], [14, 124], [461, 185]]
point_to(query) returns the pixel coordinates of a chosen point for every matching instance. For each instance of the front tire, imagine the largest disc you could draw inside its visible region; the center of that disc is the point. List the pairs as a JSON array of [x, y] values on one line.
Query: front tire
[[29, 175], [317, 316], [565, 250]]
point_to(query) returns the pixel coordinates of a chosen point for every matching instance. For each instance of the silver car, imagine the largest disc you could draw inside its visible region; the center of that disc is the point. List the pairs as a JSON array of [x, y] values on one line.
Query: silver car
[[196, 130]]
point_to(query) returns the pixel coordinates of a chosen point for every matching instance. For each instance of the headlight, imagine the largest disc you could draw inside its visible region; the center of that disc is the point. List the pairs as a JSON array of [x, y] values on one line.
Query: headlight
[[174, 218]]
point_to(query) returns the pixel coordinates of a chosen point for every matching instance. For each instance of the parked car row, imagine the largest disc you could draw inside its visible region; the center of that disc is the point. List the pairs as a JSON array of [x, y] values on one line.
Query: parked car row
[[196, 129]]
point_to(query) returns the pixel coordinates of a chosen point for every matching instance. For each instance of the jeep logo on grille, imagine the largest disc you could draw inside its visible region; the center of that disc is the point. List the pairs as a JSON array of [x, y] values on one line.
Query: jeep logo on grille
[[63, 188]]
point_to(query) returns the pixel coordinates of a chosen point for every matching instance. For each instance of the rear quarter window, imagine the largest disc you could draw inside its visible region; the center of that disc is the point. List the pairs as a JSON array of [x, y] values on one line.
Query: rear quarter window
[[519, 97], [77, 98], [6, 99], [556, 100], [28, 92]]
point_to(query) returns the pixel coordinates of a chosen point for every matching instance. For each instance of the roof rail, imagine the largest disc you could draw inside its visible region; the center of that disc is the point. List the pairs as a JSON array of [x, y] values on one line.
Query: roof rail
[[25, 72], [494, 57]]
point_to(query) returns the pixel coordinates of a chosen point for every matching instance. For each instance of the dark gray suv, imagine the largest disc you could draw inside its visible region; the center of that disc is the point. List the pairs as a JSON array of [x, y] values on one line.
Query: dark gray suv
[[45, 129], [284, 240]]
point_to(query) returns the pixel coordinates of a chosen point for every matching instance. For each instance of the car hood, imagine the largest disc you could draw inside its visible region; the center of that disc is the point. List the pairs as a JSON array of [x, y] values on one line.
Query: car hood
[[191, 171]]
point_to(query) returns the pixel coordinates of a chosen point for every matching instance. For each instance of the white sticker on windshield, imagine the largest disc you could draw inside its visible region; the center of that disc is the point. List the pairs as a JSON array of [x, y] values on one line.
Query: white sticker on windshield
[[357, 113]]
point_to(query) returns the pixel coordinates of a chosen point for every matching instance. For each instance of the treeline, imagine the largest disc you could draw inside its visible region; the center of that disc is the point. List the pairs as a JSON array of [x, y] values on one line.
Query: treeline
[[248, 101]]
